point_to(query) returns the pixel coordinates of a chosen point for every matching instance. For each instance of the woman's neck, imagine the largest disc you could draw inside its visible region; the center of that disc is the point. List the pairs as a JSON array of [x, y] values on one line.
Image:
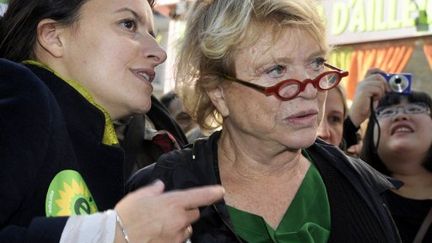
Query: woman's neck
[[417, 185], [253, 160]]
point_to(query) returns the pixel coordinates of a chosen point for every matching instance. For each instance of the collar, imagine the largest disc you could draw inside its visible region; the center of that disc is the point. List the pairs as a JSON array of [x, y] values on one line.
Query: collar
[[109, 136]]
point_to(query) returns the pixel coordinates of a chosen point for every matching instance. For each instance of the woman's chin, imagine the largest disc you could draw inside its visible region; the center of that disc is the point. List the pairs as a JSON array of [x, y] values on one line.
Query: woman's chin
[[300, 143], [142, 108]]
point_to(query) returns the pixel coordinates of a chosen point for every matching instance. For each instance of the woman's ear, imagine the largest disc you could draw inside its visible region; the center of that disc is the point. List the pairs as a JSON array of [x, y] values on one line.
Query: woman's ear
[[216, 96], [49, 37]]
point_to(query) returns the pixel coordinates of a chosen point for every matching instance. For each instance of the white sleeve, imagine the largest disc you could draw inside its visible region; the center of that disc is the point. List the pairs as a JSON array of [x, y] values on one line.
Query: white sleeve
[[98, 227]]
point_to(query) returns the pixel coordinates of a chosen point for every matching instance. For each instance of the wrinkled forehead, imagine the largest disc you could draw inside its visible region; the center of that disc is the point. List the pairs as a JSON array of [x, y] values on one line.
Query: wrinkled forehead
[[272, 40], [272, 32]]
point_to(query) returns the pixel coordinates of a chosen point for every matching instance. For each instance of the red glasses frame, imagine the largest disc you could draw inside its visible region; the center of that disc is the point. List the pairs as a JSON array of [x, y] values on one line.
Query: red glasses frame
[[275, 89]]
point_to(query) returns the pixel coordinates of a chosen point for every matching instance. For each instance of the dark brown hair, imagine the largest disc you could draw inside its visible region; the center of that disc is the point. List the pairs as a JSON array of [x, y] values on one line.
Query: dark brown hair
[[18, 26]]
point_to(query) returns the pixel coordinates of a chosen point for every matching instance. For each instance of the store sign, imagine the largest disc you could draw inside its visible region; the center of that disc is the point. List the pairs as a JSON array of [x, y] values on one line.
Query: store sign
[[356, 21]]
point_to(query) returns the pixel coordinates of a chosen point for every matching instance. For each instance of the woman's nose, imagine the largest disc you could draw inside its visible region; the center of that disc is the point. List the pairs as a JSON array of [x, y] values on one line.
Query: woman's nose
[[400, 115], [324, 131], [154, 52]]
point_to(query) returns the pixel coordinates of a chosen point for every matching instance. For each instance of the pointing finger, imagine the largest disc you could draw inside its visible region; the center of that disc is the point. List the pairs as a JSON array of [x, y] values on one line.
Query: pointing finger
[[198, 197]]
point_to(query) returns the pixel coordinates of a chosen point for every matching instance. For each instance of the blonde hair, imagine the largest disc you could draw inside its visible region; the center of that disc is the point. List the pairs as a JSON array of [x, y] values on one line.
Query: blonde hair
[[216, 29]]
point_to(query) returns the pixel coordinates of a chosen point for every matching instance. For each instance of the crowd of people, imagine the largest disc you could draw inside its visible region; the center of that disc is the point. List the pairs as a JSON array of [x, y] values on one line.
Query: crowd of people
[[89, 154]]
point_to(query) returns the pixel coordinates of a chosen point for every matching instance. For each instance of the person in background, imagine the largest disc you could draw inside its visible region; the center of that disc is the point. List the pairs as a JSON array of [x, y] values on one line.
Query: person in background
[[145, 138], [340, 125], [258, 68], [398, 143], [175, 107], [74, 66], [368, 92], [335, 112]]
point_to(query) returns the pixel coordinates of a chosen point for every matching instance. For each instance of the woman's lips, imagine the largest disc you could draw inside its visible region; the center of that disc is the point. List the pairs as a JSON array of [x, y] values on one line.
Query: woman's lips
[[303, 118], [401, 128], [143, 74]]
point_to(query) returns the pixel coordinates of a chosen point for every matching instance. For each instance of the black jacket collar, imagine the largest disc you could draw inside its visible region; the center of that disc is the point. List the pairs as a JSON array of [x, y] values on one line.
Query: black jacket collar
[[101, 165]]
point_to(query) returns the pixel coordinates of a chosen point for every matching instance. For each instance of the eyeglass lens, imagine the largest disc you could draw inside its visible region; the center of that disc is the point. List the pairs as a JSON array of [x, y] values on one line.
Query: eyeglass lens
[[413, 108], [325, 82], [329, 81]]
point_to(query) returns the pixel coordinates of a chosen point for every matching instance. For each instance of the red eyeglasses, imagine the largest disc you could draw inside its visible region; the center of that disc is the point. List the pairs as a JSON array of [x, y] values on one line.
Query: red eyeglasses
[[290, 88]]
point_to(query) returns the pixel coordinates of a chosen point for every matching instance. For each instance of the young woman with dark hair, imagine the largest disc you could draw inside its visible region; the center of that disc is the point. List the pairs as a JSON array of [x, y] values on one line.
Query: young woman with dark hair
[[398, 143], [74, 66]]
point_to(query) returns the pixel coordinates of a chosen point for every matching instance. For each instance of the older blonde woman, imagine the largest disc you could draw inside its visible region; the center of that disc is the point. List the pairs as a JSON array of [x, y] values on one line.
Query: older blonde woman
[[257, 68]]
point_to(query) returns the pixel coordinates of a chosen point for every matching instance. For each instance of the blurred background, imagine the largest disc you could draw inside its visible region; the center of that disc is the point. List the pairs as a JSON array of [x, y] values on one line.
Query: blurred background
[[394, 35]]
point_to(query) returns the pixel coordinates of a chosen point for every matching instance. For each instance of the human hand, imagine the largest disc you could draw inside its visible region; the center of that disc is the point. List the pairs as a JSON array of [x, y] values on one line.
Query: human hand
[[149, 215], [373, 86]]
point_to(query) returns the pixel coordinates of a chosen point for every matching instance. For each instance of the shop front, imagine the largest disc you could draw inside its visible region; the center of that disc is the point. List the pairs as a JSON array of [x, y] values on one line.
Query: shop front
[[394, 35]]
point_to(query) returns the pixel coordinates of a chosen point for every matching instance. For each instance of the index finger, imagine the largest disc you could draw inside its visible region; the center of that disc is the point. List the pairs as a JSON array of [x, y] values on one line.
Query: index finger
[[200, 196]]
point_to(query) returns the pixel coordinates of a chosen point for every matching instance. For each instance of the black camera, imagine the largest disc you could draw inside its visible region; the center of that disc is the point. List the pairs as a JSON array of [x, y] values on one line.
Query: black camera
[[399, 82]]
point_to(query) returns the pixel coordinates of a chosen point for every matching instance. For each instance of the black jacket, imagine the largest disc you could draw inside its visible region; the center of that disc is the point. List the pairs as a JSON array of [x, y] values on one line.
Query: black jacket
[[47, 127], [358, 212]]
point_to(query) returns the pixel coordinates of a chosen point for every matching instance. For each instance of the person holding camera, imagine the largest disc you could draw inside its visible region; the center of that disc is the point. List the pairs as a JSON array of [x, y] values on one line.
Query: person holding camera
[[398, 143], [371, 89]]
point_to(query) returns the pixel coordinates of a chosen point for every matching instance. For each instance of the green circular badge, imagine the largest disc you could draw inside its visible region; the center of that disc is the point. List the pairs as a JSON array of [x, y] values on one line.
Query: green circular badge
[[68, 194]]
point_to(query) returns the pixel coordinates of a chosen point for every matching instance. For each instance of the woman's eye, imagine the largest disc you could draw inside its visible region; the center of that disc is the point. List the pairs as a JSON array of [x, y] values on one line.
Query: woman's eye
[[335, 120], [388, 111], [129, 25], [414, 110], [276, 71], [318, 63]]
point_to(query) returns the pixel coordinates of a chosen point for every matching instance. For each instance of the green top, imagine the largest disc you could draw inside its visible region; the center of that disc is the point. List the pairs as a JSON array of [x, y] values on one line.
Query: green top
[[307, 219]]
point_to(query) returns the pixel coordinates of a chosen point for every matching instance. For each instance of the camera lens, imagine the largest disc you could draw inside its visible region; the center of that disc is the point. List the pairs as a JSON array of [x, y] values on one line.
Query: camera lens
[[398, 83]]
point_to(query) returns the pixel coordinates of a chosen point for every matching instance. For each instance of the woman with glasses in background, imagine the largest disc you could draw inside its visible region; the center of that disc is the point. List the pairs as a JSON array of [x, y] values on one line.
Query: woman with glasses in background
[[258, 69], [398, 143]]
